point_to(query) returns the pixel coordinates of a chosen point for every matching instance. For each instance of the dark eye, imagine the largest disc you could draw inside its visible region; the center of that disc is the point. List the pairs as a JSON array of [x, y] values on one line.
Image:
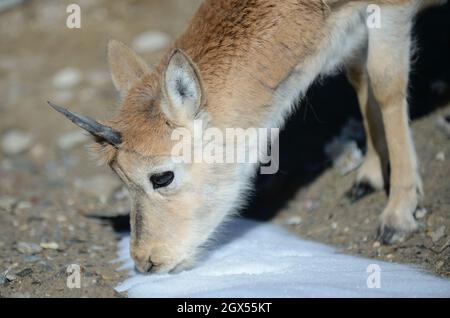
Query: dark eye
[[163, 179]]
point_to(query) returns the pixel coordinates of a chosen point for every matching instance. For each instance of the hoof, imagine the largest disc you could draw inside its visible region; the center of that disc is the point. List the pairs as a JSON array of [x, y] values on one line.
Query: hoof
[[358, 191], [389, 235]]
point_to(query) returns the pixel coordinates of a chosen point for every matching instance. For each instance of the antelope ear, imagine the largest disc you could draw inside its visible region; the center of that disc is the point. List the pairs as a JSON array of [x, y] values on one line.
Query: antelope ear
[[182, 88], [125, 65]]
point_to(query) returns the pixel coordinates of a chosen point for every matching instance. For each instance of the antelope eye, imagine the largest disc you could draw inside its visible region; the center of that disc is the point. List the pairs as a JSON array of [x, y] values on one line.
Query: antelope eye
[[161, 180]]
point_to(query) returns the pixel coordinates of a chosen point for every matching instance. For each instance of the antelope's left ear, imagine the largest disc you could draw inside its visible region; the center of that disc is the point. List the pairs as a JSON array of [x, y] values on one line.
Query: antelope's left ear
[[182, 88], [125, 65]]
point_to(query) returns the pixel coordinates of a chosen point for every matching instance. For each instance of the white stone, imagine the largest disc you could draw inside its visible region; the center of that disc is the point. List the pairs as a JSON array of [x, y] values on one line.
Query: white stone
[[23, 205], [50, 245], [438, 234], [15, 142], [67, 78], [28, 248], [7, 203], [440, 156], [150, 41], [420, 213], [294, 220]]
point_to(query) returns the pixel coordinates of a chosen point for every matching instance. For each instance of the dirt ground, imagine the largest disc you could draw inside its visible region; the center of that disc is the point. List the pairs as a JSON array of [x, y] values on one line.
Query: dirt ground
[[57, 206]]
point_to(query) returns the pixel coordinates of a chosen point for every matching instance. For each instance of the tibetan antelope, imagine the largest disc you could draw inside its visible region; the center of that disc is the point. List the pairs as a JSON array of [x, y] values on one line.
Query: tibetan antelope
[[245, 63]]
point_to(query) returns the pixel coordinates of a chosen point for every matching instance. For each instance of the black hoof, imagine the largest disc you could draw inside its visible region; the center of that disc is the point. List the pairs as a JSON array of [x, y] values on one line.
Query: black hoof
[[358, 191], [388, 235]]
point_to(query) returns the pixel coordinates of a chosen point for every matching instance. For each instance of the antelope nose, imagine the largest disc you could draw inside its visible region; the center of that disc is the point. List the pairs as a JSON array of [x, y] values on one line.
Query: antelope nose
[[144, 264], [149, 265]]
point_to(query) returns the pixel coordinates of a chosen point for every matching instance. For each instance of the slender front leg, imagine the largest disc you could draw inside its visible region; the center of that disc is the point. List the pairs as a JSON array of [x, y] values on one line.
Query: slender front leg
[[388, 67]]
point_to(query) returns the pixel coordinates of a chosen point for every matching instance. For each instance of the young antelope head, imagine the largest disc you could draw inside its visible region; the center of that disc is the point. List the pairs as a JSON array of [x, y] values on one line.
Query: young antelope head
[[176, 206]]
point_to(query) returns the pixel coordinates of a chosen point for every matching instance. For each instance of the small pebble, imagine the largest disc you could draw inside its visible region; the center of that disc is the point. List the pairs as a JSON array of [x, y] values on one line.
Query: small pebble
[[23, 206], [67, 78], [16, 142], [376, 244], [38, 152], [294, 220], [61, 218], [10, 277], [311, 205], [150, 41], [438, 234], [420, 213], [440, 156], [334, 225], [28, 248], [50, 245], [7, 203], [25, 272]]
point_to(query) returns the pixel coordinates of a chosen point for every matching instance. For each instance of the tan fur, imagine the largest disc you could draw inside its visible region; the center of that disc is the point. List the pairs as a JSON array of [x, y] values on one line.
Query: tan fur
[[247, 56]]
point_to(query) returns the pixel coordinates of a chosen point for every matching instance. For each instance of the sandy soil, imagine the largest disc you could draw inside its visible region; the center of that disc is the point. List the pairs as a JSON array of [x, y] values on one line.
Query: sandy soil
[[52, 213]]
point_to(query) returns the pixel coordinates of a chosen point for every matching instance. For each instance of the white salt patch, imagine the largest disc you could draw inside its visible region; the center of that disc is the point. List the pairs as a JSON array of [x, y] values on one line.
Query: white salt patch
[[254, 259]]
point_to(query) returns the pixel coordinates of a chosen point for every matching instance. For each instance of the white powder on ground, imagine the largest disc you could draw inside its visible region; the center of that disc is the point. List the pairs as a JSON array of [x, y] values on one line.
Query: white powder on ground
[[255, 259]]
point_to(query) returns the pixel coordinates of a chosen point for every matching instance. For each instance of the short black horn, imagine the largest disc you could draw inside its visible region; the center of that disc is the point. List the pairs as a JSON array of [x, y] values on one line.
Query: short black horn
[[107, 133]]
